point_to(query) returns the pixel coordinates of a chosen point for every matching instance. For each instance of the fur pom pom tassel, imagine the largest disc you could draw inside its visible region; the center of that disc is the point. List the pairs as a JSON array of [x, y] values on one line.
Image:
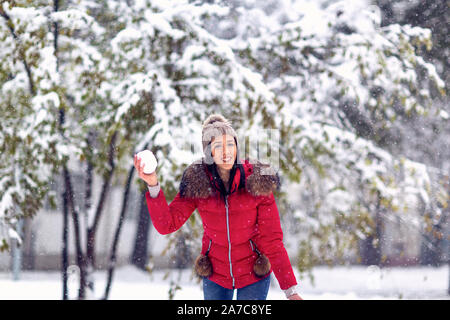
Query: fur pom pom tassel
[[262, 266], [203, 266]]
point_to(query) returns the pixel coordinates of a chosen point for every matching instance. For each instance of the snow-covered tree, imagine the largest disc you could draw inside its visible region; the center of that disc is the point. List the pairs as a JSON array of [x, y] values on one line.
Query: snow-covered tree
[[31, 146], [427, 136], [46, 62], [347, 86]]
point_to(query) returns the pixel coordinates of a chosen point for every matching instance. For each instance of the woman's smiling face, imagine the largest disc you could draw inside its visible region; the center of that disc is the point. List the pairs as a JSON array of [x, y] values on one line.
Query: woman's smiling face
[[224, 151]]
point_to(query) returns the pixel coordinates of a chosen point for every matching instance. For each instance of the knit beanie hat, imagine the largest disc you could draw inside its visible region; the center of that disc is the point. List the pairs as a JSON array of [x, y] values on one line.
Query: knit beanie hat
[[215, 126]]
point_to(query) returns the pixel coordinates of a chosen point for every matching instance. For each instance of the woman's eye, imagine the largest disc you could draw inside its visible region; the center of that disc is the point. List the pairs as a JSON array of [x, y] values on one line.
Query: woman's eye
[[218, 146]]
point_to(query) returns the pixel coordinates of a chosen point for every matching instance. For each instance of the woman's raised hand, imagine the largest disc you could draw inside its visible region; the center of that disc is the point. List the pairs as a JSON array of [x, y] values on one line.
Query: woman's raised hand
[[151, 179]]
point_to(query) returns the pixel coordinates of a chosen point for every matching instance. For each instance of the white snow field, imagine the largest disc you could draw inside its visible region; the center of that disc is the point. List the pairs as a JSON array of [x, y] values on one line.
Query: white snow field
[[337, 283]]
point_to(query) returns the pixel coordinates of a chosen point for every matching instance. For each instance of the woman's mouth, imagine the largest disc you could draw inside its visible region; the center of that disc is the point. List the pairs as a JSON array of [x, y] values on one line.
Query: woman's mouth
[[226, 159]]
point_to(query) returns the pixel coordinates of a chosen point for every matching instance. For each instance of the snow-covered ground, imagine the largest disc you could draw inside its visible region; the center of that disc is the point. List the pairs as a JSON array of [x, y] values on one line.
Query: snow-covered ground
[[355, 282]]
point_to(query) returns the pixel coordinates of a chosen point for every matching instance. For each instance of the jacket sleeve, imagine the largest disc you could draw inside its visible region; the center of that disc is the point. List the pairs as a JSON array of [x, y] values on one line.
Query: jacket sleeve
[[168, 218], [271, 242]]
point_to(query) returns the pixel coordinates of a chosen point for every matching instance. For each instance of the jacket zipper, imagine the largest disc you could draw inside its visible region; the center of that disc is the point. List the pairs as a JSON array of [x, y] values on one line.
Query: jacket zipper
[[229, 240]]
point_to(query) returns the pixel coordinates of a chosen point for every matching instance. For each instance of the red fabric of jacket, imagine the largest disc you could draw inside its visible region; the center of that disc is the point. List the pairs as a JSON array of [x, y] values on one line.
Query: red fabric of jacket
[[252, 214]]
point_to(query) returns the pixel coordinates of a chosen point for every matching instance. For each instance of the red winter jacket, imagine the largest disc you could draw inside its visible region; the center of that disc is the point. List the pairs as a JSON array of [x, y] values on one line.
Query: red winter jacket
[[252, 214]]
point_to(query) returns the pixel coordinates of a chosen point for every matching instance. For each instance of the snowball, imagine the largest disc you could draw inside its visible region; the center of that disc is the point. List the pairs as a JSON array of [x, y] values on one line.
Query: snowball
[[149, 161]]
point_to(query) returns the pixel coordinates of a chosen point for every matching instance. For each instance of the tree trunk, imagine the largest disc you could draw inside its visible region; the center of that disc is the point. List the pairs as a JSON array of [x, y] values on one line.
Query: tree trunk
[[68, 196], [27, 247], [433, 240], [430, 251], [65, 244], [112, 259], [92, 230], [88, 206], [81, 261], [66, 193], [370, 251], [182, 256], [139, 257]]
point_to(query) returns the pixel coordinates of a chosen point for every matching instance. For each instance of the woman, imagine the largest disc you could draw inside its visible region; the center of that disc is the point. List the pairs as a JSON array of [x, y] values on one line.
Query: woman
[[242, 239]]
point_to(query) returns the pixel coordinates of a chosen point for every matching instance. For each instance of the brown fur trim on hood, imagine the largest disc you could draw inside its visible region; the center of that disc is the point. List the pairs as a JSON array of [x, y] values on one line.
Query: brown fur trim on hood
[[263, 180], [195, 182]]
